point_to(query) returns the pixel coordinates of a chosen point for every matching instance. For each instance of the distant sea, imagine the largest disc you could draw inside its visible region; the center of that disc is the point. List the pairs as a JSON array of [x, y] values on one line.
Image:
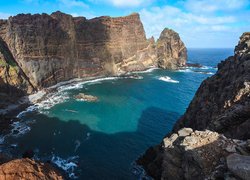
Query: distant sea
[[102, 140]]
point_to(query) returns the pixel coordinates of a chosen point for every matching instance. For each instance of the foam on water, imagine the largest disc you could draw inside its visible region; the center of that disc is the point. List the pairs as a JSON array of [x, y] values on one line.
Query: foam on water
[[19, 128], [168, 79], [69, 165]]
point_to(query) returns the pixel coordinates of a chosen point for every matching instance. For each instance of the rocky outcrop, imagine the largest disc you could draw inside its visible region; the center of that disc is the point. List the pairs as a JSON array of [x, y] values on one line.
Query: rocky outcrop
[[171, 51], [58, 47], [221, 104], [28, 169], [190, 154]]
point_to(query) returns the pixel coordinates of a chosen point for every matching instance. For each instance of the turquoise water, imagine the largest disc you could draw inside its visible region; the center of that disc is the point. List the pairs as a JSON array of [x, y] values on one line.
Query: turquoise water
[[101, 140]]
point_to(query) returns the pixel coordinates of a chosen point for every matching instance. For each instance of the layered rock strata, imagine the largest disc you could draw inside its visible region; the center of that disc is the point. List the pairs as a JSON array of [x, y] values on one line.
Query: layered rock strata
[[58, 47]]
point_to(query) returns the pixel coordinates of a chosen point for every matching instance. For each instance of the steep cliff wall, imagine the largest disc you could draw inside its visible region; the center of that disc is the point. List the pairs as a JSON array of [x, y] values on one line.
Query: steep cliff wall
[[221, 104], [58, 47]]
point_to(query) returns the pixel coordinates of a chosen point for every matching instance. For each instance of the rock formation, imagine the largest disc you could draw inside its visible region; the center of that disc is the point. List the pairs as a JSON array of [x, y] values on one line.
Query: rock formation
[[171, 51], [28, 169], [190, 154], [58, 47], [222, 102], [222, 105]]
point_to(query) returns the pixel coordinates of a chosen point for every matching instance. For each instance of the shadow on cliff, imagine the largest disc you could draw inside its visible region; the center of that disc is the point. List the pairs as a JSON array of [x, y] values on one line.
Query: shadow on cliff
[[10, 95], [99, 153]]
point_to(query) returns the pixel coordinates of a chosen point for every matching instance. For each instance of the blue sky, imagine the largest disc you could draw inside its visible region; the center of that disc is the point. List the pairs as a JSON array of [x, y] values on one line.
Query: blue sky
[[200, 23]]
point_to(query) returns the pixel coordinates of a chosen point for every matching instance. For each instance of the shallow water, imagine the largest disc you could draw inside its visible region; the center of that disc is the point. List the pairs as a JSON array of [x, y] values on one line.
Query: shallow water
[[101, 140]]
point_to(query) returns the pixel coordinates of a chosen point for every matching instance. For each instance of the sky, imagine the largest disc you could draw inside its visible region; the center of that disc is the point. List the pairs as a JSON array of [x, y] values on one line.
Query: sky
[[200, 23]]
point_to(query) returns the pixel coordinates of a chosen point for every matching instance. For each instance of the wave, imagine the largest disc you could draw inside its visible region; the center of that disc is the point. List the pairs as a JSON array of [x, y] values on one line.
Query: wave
[[69, 165], [168, 79], [20, 128]]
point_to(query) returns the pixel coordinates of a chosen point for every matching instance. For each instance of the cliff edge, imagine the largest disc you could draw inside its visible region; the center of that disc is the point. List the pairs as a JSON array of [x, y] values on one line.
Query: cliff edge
[[58, 47], [211, 140]]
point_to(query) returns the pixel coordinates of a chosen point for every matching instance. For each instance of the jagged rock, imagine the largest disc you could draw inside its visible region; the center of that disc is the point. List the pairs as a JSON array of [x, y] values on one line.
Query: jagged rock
[[171, 51], [28, 169], [185, 131], [239, 165], [198, 155], [222, 102], [58, 47]]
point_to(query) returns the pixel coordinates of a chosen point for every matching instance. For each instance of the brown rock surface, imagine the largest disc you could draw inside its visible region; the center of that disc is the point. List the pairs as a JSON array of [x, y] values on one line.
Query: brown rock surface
[[28, 169], [171, 51], [58, 47]]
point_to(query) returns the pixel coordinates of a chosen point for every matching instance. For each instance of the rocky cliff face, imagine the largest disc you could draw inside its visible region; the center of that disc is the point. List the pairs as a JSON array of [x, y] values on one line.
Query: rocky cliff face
[[221, 104], [171, 51], [58, 47]]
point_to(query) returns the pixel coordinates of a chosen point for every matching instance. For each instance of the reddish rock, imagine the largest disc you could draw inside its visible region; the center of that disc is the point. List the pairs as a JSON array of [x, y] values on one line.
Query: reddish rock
[[58, 47], [28, 169]]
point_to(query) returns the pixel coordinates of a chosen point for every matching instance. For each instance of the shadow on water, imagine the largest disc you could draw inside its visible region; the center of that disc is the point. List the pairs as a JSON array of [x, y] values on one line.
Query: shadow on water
[[101, 156]]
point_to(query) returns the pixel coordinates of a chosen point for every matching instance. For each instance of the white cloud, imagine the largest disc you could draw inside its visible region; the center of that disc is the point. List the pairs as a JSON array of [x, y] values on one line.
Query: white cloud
[[196, 29], [4, 15], [124, 3], [73, 3], [214, 5]]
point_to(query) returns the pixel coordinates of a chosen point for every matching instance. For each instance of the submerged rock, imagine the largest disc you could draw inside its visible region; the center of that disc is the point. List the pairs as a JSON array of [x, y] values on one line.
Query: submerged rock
[[28, 169], [85, 97]]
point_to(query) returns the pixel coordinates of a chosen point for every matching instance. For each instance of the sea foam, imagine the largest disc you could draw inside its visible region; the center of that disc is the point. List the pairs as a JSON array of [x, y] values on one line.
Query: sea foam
[[69, 165], [168, 79]]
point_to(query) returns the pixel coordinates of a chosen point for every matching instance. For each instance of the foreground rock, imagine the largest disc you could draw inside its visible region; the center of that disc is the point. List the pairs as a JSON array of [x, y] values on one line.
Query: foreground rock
[[85, 97], [28, 169], [222, 102], [195, 155], [58, 47]]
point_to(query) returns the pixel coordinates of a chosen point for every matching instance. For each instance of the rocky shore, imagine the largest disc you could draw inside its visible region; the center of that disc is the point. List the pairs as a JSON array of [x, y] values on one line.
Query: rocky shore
[[29, 169], [211, 140]]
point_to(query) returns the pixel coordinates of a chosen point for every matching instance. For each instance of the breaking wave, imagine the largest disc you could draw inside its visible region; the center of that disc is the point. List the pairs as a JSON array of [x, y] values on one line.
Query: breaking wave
[[168, 79], [69, 165]]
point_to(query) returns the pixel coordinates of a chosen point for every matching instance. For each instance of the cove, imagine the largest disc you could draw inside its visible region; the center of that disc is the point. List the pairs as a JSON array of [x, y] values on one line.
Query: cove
[[101, 140]]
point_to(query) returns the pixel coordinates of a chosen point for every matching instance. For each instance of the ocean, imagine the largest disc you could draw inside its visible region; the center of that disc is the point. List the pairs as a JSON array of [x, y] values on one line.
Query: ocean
[[102, 140]]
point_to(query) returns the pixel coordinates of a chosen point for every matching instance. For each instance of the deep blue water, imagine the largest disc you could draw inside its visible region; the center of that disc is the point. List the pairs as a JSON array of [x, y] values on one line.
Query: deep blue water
[[101, 140]]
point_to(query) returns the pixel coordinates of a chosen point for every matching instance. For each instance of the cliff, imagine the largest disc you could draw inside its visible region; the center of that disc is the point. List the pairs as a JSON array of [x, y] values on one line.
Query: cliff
[[217, 117], [222, 102], [58, 47]]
